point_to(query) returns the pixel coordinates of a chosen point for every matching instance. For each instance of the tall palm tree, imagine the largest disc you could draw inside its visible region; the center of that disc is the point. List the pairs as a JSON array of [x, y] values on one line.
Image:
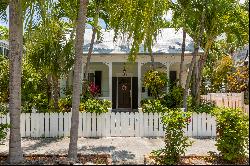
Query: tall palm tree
[[16, 51], [80, 29]]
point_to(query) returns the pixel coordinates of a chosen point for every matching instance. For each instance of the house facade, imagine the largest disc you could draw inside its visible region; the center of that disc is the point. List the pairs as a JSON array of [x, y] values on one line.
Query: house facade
[[4, 47], [121, 81]]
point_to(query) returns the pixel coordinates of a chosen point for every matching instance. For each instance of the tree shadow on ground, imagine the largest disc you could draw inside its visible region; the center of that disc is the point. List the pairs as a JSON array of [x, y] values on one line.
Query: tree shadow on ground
[[40, 143], [117, 155]]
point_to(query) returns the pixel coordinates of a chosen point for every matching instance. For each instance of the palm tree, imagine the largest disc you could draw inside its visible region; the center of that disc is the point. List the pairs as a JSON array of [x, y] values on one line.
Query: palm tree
[[80, 29], [16, 51]]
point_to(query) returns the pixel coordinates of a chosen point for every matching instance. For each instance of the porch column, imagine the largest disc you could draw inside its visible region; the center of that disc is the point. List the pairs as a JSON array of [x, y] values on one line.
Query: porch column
[[110, 80], [139, 84]]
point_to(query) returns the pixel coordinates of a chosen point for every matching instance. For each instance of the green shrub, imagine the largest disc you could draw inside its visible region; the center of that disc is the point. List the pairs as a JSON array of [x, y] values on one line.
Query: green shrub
[[204, 107], [95, 106], [152, 105], [3, 109], [3, 131], [65, 104], [174, 99], [3, 127], [155, 81], [175, 141], [90, 105], [232, 133]]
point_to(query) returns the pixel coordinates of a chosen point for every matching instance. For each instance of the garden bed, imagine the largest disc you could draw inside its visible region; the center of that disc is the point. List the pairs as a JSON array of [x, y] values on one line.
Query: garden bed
[[196, 160], [42, 159]]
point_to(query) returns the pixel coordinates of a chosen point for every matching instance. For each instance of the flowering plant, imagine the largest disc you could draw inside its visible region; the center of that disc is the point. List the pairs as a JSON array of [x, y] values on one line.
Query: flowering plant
[[94, 89]]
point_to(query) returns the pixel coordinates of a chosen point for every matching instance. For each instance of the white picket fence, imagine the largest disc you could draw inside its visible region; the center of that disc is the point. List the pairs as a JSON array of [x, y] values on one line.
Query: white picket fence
[[108, 125], [232, 100]]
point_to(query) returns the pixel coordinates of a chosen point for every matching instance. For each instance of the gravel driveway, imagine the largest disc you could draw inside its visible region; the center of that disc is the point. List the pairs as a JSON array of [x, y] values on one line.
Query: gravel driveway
[[124, 150]]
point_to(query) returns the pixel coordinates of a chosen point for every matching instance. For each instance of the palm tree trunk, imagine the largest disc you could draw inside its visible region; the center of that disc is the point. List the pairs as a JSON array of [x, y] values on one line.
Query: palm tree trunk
[[85, 84], [80, 29], [182, 56], [49, 88], [55, 92], [193, 83], [193, 61], [201, 65], [94, 31], [16, 50]]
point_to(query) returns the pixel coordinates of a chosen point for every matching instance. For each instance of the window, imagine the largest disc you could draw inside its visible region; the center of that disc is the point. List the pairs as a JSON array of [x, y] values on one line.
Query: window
[[91, 77], [149, 92], [172, 78]]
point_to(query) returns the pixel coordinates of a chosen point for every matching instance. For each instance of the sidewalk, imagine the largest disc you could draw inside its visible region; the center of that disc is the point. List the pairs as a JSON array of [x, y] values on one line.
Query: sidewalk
[[127, 150]]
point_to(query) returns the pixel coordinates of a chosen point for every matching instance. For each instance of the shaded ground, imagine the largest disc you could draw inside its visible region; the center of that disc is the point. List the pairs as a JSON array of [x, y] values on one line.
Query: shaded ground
[[127, 150]]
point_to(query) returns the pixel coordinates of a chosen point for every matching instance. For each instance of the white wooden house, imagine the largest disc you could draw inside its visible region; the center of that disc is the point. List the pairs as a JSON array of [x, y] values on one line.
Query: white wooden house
[[109, 63]]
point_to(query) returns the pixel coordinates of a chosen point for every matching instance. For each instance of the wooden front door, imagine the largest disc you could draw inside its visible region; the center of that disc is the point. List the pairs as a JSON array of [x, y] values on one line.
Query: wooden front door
[[124, 88]]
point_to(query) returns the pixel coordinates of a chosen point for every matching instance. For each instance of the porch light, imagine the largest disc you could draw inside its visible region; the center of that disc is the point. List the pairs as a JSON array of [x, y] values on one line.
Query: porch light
[[124, 70]]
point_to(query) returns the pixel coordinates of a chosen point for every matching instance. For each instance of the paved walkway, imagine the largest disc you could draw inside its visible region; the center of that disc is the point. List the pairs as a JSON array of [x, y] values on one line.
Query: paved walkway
[[124, 150]]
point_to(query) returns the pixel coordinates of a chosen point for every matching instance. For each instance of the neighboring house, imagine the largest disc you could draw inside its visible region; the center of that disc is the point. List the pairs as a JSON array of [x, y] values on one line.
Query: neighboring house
[[241, 57], [4, 47], [121, 81]]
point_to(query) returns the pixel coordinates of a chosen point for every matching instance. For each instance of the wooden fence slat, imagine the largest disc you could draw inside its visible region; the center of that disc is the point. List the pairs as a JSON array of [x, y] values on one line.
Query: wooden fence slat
[[27, 127], [124, 122], [161, 127], [84, 124], [34, 125], [60, 123], [108, 124], [53, 125], [195, 124], [151, 117], [47, 121], [22, 125], [132, 124], [146, 124], [93, 132], [80, 125], [88, 124], [137, 125], [118, 125], [112, 125], [98, 126]]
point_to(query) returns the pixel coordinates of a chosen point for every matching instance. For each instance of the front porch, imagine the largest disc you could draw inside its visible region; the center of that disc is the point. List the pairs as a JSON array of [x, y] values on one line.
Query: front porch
[[122, 82]]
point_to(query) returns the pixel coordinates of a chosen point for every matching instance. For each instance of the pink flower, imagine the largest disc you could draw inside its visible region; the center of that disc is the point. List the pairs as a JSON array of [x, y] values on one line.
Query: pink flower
[[94, 89]]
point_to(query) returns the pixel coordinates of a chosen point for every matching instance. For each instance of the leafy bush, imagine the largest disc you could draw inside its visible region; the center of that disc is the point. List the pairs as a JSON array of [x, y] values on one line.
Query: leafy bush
[[3, 131], [175, 140], [3, 109], [3, 127], [204, 107], [232, 133], [155, 81], [174, 99], [89, 105], [95, 106], [152, 105], [65, 104]]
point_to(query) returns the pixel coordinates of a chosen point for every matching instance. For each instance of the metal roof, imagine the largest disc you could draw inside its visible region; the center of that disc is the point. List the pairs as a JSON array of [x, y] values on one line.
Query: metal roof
[[167, 42]]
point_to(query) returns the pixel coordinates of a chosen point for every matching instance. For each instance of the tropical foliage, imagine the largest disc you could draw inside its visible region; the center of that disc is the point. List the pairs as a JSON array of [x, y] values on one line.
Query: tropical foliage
[[175, 142], [156, 82], [232, 134]]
